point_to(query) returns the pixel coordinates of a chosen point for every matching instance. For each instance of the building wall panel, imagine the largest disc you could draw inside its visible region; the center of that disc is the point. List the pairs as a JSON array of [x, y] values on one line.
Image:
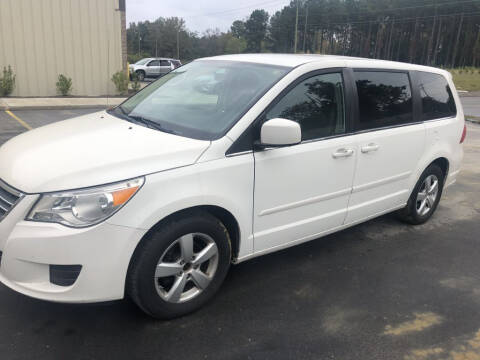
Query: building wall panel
[[81, 39]]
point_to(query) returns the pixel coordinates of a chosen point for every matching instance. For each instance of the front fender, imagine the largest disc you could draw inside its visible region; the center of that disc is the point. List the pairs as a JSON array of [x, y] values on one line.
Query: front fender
[[226, 183]]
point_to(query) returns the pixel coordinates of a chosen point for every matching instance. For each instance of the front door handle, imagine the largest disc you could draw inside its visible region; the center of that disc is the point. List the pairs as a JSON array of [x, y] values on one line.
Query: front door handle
[[370, 147], [342, 153]]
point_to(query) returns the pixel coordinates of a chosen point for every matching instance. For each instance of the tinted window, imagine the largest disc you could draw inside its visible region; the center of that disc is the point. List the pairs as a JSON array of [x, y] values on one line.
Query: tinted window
[[154, 63], [164, 63], [317, 104], [384, 98], [437, 99]]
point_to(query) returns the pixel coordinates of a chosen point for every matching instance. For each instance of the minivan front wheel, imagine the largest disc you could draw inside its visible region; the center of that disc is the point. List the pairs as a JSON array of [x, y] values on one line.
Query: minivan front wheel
[[179, 267], [425, 196]]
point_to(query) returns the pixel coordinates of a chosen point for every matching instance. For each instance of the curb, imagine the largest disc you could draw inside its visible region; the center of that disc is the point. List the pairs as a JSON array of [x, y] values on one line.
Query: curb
[[472, 120], [54, 107]]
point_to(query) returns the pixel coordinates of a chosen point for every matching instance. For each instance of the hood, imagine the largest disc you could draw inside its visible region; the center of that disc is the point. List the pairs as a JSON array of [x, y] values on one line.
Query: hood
[[91, 150]]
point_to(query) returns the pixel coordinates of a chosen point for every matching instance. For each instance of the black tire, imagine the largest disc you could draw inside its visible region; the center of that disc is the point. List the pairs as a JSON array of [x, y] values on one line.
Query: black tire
[[141, 75], [409, 213], [140, 284]]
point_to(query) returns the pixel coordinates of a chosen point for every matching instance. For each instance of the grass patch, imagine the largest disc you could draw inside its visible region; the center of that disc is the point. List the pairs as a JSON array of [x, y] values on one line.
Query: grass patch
[[466, 78], [475, 119]]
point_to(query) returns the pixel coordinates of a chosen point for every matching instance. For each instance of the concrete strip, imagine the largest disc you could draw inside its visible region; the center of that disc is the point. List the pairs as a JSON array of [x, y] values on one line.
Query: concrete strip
[[472, 119], [469, 93], [58, 103]]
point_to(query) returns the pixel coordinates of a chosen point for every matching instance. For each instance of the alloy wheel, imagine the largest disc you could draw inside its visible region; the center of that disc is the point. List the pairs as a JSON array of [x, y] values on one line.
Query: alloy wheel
[[427, 195], [186, 268]]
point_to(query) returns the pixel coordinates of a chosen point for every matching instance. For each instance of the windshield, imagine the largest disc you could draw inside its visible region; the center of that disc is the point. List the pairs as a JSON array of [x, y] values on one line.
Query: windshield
[[141, 62], [201, 100]]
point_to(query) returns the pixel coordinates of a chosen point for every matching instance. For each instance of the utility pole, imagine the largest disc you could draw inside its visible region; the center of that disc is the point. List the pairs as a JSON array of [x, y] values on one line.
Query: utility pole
[[156, 48], [413, 45], [368, 42], [305, 30], [476, 47], [399, 41], [296, 30], [437, 44], [321, 42], [178, 44], [139, 39], [389, 45], [430, 41], [454, 55]]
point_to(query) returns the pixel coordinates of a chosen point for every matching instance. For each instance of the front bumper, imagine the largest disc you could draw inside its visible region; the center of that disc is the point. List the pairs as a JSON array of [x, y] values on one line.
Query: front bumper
[[30, 248]]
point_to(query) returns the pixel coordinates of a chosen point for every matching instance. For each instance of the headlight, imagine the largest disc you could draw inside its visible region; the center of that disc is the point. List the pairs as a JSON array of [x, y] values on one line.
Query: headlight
[[84, 207]]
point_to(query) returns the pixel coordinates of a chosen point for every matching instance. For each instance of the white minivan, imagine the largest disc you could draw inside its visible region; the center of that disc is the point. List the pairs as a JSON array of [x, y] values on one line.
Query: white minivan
[[219, 161]]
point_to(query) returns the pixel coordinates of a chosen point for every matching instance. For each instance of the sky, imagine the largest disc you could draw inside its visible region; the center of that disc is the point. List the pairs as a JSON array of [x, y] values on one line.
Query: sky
[[200, 15]]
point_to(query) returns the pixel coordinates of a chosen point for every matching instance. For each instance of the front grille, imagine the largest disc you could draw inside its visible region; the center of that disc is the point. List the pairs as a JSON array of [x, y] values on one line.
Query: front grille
[[64, 275], [9, 197]]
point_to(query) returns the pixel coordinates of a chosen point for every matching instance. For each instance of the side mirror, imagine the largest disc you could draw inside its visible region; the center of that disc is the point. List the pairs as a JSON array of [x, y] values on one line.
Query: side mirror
[[280, 132]]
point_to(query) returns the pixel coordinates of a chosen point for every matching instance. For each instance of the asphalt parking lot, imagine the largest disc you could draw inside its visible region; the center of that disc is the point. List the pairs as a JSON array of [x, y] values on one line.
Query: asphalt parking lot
[[471, 106], [379, 290]]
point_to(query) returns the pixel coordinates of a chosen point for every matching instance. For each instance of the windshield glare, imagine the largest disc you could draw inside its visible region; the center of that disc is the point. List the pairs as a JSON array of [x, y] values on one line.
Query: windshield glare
[[203, 99]]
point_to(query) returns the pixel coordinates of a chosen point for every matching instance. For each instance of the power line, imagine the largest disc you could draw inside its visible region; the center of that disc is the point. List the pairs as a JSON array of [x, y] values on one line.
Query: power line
[[367, 11], [396, 20], [241, 8]]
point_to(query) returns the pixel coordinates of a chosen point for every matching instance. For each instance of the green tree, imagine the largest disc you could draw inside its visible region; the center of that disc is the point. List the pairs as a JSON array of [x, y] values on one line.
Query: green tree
[[419, 31], [282, 27], [235, 45], [238, 29], [256, 30]]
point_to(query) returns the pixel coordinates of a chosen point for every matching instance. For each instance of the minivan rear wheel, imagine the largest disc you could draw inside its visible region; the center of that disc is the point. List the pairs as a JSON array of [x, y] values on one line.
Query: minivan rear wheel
[[425, 196], [180, 266]]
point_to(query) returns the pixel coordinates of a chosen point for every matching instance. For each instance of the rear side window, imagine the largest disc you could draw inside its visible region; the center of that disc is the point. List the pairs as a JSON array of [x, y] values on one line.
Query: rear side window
[[437, 98], [384, 98], [317, 104], [164, 63]]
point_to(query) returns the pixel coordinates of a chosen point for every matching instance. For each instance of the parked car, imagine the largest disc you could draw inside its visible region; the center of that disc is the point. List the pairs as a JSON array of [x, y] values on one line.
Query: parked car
[[221, 161], [153, 67]]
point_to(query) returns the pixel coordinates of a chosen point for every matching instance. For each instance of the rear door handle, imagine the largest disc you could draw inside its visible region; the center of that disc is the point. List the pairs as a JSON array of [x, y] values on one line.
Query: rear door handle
[[342, 153], [370, 147]]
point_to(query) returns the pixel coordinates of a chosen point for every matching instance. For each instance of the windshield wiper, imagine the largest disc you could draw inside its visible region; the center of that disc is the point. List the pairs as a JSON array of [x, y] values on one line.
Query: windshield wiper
[[137, 119], [149, 123]]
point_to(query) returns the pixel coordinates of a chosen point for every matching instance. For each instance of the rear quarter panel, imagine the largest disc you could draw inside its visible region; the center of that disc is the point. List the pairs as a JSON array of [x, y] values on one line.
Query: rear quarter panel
[[443, 140]]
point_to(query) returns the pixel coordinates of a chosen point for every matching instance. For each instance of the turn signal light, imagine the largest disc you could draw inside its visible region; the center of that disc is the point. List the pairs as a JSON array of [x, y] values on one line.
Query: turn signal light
[[122, 196]]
